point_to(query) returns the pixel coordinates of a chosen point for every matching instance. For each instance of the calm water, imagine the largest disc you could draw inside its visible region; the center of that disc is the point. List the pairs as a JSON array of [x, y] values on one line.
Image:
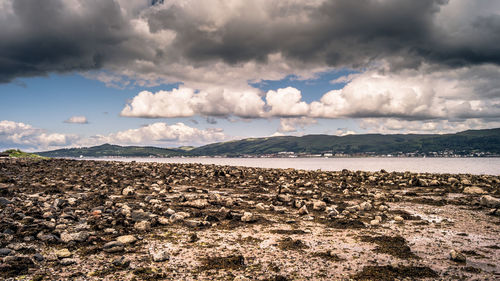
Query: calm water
[[490, 166]]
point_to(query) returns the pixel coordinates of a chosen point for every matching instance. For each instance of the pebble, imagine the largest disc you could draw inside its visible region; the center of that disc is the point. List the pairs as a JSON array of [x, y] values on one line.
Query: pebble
[[303, 210], [4, 201], [248, 217], [121, 262], [67, 261], [398, 219], [490, 201], [128, 191], [160, 256], [365, 206], [319, 205], [113, 247], [5, 251], [474, 190], [126, 239], [142, 225], [457, 256], [63, 253], [78, 236]]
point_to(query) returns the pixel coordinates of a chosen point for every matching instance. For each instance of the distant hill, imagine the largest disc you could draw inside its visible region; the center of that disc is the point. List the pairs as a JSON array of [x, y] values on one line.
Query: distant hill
[[106, 150], [463, 143]]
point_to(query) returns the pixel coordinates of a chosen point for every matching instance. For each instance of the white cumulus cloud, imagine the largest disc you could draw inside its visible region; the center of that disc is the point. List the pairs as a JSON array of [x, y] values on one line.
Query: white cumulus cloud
[[286, 102], [291, 124], [77, 120], [20, 135]]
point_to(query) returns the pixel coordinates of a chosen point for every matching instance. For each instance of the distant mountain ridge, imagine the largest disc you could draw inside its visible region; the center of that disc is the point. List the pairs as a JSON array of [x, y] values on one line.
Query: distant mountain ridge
[[485, 142]]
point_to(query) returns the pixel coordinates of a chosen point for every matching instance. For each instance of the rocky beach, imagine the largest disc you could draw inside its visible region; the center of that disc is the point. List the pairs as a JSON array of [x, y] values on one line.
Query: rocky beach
[[102, 220]]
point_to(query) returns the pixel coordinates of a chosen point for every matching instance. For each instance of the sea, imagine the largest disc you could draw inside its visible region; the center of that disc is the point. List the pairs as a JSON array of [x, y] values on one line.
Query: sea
[[478, 166]]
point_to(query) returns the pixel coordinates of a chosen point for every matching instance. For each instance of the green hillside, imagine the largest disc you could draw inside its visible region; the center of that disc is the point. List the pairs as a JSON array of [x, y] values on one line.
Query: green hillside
[[463, 143], [113, 150], [377, 144]]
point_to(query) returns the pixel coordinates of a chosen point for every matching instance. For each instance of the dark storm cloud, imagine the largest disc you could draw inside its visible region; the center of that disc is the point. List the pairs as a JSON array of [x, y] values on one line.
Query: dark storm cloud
[[340, 33], [39, 37]]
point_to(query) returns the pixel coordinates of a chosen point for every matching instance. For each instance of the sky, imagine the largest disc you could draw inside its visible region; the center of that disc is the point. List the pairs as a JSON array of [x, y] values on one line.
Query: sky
[[171, 73]]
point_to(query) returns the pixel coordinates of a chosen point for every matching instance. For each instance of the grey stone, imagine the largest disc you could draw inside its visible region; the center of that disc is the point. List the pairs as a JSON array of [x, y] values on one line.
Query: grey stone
[[5, 251], [160, 256], [67, 261], [490, 201]]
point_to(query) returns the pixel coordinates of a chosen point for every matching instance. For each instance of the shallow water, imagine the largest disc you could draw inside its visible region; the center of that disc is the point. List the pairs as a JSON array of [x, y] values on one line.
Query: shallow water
[[489, 166]]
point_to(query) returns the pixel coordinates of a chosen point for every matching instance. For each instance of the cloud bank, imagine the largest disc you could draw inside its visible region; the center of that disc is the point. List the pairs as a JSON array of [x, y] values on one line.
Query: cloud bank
[[24, 136], [417, 61], [204, 42]]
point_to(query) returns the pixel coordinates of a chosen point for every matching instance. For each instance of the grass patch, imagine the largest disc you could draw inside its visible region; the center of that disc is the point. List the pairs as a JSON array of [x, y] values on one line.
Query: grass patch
[[21, 154], [394, 246], [288, 231], [288, 243], [234, 262], [389, 272], [148, 273]]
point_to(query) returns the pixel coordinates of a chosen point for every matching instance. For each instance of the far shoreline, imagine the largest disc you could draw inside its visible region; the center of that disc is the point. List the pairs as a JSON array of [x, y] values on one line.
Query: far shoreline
[[431, 165]]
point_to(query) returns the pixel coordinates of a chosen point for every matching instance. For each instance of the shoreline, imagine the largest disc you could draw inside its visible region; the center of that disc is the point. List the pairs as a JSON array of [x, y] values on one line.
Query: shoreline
[[108, 220], [476, 166]]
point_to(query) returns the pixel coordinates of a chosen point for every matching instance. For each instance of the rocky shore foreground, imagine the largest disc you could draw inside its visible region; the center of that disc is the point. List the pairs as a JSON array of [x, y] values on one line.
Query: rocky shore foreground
[[98, 220]]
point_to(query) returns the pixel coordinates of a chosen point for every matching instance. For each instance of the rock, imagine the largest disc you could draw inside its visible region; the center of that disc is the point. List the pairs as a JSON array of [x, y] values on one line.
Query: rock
[[121, 262], [5, 252], [398, 219], [303, 211], [457, 256], [140, 215], [193, 223], [163, 220], [126, 239], [46, 237], [490, 201], [332, 212], [67, 261], [113, 247], [4, 201], [63, 253], [284, 198], [77, 237], [365, 206], [142, 225], [260, 206], [452, 180], [243, 278], [434, 183], [465, 182], [58, 203], [383, 208], [128, 191], [176, 217], [160, 256], [374, 222], [319, 205], [248, 217], [474, 190], [199, 204], [38, 257]]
